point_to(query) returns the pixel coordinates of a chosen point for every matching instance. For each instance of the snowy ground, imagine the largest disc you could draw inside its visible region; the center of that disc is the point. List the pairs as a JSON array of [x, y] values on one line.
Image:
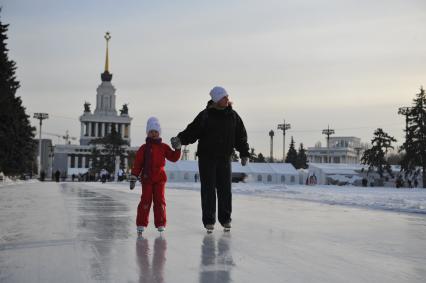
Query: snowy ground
[[78, 232], [402, 200]]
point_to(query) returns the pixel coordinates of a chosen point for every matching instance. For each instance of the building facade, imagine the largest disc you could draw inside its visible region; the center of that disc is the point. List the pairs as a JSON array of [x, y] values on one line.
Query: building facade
[[341, 150], [72, 159]]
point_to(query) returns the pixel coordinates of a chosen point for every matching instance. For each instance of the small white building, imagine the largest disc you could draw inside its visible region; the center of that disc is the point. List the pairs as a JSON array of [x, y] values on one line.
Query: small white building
[[340, 150], [275, 173], [268, 173], [182, 171], [336, 173]]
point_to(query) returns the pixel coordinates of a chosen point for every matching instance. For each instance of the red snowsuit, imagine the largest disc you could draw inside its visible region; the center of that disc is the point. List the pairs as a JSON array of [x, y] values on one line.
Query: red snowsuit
[[153, 182]]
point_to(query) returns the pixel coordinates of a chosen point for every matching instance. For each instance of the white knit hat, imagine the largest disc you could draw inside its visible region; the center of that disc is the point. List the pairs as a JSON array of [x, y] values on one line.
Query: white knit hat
[[217, 93], [153, 124]]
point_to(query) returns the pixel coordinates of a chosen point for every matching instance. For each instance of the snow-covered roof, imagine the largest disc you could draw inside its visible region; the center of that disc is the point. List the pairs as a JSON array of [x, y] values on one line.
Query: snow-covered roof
[[338, 168], [260, 168], [238, 168], [182, 165], [187, 165], [283, 168], [265, 168]]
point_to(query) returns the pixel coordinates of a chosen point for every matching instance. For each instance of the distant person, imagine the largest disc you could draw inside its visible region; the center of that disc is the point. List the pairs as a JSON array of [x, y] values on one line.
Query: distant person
[[218, 129], [42, 175], [120, 174], [104, 175], [196, 178], [57, 175], [149, 165]]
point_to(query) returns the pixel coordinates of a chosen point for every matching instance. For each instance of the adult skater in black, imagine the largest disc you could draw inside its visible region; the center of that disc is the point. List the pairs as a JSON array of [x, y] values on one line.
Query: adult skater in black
[[218, 129]]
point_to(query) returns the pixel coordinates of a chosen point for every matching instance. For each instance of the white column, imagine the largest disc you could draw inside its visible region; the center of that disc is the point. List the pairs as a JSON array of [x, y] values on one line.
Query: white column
[[69, 161], [103, 129], [83, 161], [122, 130], [96, 129], [89, 130], [82, 130]]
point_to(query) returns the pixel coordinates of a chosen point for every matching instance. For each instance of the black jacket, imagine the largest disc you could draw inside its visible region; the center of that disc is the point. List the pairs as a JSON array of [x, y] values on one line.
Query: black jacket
[[218, 132]]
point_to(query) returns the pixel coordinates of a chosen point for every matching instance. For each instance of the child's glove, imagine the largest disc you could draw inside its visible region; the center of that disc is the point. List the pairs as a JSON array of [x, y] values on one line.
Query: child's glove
[[133, 180], [176, 144], [244, 161]]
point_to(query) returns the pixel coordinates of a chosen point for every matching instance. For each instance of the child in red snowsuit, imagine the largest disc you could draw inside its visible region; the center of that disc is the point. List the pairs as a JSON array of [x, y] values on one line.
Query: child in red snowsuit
[[149, 165]]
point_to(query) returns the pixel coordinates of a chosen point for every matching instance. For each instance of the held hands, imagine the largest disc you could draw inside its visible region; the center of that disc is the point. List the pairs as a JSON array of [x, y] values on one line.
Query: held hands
[[133, 180], [176, 144], [244, 161]]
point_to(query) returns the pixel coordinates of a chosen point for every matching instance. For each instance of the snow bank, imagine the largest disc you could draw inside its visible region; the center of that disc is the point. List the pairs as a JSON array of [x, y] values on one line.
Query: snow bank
[[400, 200]]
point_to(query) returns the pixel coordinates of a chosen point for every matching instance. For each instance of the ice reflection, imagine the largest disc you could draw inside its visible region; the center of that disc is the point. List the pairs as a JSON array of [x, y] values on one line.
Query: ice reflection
[[154, 273], [101, 221], [216, 259]]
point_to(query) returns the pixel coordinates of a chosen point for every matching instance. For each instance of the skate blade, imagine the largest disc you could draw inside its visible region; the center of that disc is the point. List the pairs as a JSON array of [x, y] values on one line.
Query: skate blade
[[209, 231], [226, 229]]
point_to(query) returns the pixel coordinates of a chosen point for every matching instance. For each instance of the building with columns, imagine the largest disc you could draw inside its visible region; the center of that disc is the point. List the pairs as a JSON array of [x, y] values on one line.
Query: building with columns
[[75, 159], [341, 150]]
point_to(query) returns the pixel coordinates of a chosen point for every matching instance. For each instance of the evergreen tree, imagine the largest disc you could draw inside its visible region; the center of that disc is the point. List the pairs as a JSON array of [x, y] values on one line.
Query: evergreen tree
[[252, 157], [415, 143], [302, 159], [260, 158], [17, 144], [375, 156], [395, 158], [105, 151], [291, 154]]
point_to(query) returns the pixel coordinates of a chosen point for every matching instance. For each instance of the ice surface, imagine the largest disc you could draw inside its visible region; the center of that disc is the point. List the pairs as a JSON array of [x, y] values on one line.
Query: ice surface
[[78, 232]]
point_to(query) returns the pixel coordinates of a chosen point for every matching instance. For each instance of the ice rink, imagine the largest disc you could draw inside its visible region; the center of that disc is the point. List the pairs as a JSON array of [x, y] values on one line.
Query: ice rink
[[73, 232]]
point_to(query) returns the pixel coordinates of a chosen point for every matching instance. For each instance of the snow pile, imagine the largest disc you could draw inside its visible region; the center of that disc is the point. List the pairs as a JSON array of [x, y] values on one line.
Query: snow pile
[[8, 181], [401, 200]]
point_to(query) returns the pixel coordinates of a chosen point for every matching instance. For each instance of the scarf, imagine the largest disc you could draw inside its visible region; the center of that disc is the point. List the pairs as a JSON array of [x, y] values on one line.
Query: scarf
[[146, 171]]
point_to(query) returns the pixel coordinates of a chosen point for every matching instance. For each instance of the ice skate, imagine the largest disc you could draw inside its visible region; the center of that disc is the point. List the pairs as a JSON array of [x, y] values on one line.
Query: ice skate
[[161, 229], [140, 230], [227, 227], [209, 228]]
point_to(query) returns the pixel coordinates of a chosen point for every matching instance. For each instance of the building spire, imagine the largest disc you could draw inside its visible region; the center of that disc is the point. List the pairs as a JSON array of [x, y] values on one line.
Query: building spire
[[107, 37], [106, 76]]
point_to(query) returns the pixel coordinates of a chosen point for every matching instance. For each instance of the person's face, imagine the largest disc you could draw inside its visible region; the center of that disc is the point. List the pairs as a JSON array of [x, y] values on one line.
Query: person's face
[[224, 102], [153, 134]]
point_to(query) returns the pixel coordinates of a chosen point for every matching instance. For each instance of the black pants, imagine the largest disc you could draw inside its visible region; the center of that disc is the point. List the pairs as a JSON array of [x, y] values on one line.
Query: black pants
[[215, 176]]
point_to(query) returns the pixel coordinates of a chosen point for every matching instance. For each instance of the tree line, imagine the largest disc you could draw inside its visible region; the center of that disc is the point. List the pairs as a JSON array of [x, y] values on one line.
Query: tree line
[[413, 150], [17, 143]]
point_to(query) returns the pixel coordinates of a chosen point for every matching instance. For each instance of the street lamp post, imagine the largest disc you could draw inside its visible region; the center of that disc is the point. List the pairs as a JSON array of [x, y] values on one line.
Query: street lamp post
[[41, 117], [284, 127], [328, 132], [51, 155], [271, 134]]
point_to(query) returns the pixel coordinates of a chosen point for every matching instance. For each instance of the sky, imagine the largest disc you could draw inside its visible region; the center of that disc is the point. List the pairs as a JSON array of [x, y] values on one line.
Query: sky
[[315, 63]]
